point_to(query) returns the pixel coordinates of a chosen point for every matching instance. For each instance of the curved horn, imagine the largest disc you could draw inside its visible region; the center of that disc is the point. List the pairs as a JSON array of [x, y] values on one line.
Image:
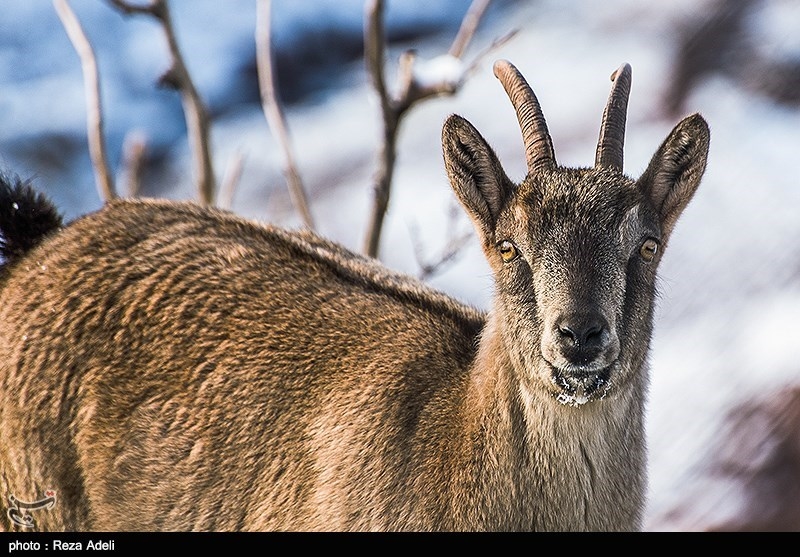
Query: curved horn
[[539, 153], [610, 145]]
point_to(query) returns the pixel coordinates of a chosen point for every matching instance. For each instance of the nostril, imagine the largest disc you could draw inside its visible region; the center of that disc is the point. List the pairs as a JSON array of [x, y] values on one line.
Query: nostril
[[567, 333], [593, 334], [581, 331]]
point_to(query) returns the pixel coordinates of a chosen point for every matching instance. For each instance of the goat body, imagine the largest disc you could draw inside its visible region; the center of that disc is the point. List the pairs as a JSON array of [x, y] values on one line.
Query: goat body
[[169, 367]]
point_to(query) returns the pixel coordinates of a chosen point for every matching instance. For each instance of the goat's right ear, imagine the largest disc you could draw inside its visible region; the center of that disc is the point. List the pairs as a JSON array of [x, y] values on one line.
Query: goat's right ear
[[475, 173]]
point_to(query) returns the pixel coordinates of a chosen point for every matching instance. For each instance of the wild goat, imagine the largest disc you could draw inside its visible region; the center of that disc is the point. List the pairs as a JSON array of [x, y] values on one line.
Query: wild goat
[[169, 367]]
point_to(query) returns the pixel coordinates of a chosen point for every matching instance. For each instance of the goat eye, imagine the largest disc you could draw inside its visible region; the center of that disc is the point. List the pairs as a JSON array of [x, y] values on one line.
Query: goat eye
[[649, 250], [508, 251]]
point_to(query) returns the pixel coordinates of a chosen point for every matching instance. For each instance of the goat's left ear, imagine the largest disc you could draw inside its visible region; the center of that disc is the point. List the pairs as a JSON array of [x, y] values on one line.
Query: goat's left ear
[[675, 170]]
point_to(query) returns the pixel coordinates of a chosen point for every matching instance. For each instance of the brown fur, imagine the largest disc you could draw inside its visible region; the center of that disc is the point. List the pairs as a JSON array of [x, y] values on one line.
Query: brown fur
[[169, 367]]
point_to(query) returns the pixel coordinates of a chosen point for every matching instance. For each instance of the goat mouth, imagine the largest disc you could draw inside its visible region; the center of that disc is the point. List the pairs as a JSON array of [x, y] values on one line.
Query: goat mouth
[[576, 387]]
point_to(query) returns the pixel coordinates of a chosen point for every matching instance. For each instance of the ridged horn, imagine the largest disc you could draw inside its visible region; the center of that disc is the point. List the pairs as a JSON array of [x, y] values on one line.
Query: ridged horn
[[610, 145], [539, 153]]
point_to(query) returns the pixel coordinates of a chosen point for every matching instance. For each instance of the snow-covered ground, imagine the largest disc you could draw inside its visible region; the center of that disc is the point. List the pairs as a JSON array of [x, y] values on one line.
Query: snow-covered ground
[[730, 294]]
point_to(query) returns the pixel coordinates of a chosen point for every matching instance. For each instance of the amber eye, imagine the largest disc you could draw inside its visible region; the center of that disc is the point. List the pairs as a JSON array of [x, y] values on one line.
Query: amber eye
[[649, 250], [508, 251]]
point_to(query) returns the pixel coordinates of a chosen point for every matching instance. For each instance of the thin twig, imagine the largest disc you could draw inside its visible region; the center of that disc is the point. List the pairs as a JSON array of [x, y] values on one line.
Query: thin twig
[[134, 149], [410, 92], [232, 176], [94, 109], [449, 253], [198, 122], [496, 43], [448, 256], [469, 25], [127, 8], [273, 111]]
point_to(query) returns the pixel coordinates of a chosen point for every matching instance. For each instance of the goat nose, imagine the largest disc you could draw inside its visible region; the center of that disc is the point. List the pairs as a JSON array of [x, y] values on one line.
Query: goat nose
[[582, 337]]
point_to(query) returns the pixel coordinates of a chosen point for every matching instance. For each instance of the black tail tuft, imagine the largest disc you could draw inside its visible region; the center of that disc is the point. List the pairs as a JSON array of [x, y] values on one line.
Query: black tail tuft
[[26, 217]]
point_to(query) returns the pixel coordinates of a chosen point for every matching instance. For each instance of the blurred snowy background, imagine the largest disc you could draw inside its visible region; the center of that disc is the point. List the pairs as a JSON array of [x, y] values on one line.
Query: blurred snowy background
[[724, 417]]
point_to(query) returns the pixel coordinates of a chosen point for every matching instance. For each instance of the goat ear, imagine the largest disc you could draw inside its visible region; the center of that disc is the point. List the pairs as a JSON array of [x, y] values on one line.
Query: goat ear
[[675, 171], [475, 173]]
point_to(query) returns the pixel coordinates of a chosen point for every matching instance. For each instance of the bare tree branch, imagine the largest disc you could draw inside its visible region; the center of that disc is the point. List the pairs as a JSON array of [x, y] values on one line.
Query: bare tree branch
[[413, 86], [374, 47], [177, 76], [273, 112], [94, 109]]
